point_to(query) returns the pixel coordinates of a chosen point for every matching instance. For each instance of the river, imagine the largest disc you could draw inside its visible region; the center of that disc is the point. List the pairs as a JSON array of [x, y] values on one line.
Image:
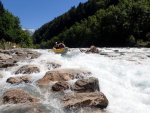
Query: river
[[123, 73]]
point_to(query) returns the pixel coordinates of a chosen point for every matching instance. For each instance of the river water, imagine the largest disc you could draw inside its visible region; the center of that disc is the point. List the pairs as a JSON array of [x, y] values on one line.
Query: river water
[[123, 73]]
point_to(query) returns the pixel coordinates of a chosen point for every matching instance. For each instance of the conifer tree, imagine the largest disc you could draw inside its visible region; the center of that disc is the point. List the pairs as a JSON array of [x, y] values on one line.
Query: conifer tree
[[1, 8]]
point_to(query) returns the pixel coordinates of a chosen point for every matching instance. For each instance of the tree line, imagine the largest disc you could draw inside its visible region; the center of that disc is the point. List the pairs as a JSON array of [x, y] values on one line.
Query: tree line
[[103, 23], [11, 31], [65, 21]]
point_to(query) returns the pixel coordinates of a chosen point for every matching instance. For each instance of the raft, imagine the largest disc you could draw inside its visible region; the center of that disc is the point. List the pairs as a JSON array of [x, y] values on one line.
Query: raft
[[61, 50]]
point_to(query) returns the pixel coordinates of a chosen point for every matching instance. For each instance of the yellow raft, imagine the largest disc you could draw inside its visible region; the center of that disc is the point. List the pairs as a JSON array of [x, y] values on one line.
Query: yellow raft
[[61, 50]]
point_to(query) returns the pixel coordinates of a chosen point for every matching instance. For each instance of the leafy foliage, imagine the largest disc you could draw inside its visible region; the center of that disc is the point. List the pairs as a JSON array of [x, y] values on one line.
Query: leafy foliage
[[65, 21], [10, 29], [109, 23]]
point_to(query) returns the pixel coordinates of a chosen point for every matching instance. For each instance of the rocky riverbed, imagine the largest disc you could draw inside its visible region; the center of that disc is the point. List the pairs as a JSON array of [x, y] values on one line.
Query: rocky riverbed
[[39, 81]]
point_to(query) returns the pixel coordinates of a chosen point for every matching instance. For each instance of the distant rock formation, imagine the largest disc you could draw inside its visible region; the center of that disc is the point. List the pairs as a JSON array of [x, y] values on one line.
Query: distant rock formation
[[30, 31]]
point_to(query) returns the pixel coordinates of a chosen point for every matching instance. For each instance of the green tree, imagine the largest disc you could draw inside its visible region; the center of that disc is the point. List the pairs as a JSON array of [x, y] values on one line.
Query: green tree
[[1, 8], [10, 29]]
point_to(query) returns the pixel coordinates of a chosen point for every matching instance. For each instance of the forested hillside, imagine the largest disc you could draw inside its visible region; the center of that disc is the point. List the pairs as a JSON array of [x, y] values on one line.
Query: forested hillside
[[68, 19], [104, 23], [10, 30]]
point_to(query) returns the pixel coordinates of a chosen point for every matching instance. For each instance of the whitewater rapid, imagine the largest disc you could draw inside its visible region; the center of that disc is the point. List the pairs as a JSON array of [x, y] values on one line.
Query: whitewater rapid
[[123, 73]]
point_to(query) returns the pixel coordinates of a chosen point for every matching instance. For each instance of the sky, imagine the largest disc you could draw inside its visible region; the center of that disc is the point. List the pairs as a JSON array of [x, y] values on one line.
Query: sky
[[35, 13]]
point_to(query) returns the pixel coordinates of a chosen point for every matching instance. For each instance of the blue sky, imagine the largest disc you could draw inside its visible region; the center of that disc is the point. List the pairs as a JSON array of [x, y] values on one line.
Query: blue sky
[[34, 13]]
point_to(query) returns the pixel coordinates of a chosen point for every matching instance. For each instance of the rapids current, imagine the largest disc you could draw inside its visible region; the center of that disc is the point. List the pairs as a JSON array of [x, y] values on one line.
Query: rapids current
[[123, 73]]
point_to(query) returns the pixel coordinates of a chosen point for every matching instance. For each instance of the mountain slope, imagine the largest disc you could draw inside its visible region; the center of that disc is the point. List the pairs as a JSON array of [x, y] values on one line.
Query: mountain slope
[[65, 21]]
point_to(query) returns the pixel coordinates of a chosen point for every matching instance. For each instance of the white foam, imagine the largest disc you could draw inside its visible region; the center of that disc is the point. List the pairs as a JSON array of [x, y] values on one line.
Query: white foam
[[125, 83]]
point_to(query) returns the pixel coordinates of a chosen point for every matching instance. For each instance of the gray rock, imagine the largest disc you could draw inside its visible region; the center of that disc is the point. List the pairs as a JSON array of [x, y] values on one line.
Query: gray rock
[[28, 69], [86, 85], [77, 100]]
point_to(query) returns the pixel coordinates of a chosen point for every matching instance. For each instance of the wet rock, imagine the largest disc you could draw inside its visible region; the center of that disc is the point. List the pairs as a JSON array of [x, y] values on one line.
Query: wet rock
[[9, 52], [62, 75], [60, 86], [28, 69], [26, 78], [14, 80], [5, 56], [53, 65], [86, 110], [82, 50], [20, 52], [15, 96], [93, 111], [27, 108], [33, 54], [86, 85], [77, 100], [92, 49], [116, 50], [7, 64]]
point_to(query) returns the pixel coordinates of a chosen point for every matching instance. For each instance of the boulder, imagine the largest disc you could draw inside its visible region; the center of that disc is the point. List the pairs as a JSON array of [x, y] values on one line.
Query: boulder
[[33, 54], [86, 110], [92, 49], [20, 52], [86, 85], [77, 100], [5, 56], [14, 80], [53, 65], [28, 69], [26, 78], [16, 96], [62, 75], [93, 111], [7, 64], [60, 86]]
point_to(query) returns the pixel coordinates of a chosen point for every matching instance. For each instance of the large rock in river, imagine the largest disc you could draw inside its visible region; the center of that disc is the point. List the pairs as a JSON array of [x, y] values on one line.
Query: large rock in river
[[93, 99], [28, 69], [86, 85], [62, 75], [15, 96], [16, 80], [5, 56], [60, 86]]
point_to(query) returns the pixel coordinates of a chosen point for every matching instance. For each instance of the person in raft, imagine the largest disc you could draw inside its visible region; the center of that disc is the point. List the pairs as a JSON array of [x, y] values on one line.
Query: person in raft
[[60, 45], [56, 45]]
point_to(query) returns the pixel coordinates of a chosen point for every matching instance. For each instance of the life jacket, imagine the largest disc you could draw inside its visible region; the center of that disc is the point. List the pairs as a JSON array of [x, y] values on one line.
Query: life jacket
[[61, 45]]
